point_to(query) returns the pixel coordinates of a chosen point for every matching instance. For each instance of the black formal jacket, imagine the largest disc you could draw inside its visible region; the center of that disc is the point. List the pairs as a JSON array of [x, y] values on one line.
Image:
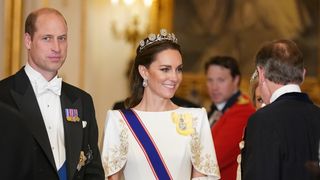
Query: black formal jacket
[[15, 144], [17, 92], [281, 138]]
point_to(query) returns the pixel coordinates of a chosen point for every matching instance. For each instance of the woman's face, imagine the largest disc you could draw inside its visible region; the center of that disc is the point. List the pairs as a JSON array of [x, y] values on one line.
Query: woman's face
[[164, 74], [258, 99]]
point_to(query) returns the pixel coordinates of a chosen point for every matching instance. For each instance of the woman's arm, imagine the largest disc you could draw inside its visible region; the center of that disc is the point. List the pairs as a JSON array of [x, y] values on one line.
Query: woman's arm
[[117, 176], [196, 174]]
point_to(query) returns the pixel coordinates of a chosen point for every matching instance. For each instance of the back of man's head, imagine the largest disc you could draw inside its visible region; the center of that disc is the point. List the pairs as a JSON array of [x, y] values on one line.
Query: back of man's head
[[282, 62]]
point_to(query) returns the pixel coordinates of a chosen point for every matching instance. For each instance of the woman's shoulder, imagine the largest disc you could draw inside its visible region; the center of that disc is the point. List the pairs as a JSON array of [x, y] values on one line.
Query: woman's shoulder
[[198, 114], [113, 115], [113, 112], [193, 110]]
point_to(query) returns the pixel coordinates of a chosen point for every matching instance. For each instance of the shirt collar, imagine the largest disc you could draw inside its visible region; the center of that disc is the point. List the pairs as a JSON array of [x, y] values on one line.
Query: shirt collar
[[40, 84], [34, 75], [220, 106], [283, 90], [225, 105]]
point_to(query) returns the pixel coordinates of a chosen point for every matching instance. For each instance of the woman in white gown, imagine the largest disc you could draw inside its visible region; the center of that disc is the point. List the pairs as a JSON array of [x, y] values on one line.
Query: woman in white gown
[[154, 138]]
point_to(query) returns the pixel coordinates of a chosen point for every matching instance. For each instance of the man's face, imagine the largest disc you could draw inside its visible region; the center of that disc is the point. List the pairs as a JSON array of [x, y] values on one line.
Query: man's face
[[220, 83], [47, 50]]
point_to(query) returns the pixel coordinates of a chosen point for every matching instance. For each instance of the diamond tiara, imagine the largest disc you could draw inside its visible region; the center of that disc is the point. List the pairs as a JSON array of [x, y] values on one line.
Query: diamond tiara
[[152, 38], [254, 76]]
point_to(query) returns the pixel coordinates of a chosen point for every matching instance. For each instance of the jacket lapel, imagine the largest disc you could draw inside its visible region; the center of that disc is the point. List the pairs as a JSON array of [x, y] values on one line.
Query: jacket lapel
[[73, 129], [25, 99]]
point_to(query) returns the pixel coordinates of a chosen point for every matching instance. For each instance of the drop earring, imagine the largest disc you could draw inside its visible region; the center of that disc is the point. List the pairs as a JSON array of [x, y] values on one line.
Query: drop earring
[[145, 83]]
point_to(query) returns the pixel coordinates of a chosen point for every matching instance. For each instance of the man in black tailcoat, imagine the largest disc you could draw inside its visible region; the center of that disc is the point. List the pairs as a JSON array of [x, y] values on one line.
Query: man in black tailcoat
[[59, 116], [282, 137], [16, 144]]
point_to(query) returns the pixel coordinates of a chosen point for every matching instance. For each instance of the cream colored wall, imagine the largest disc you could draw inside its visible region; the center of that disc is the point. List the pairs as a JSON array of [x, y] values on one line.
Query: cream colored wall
[[106, 60]]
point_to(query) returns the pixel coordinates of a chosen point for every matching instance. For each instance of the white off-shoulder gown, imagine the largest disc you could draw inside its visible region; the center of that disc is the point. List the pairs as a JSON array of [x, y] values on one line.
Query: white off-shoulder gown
[[182, 136]]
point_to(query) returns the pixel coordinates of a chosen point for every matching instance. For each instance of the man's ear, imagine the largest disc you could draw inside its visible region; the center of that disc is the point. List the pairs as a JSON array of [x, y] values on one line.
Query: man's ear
[[236, 81], [303, 75], [27, 40], [143, 71], [261, 76]]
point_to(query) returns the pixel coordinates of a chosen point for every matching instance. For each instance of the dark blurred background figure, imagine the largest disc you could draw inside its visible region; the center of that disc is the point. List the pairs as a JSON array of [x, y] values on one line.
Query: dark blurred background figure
[[16, 145], [313, 168]]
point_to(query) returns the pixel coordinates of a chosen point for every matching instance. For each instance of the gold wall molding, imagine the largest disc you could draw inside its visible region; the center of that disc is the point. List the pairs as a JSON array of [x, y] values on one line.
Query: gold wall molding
[[83, 42], [161, 15], [12, 36]]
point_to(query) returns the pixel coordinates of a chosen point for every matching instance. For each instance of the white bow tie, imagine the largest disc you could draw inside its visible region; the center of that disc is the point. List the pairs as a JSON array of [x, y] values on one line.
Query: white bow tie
[[54, 86]]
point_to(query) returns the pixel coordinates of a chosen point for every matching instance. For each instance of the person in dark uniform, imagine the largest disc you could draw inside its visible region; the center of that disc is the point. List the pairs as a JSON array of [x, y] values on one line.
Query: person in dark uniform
[[284, 135], [229, 112]]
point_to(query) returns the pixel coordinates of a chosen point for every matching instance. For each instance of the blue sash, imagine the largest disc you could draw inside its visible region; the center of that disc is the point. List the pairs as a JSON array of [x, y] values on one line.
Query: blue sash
[[62, 172], [147, 145]]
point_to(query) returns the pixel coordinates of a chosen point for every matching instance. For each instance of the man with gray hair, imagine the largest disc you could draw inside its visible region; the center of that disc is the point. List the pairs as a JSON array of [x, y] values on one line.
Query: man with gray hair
[[284, 135]]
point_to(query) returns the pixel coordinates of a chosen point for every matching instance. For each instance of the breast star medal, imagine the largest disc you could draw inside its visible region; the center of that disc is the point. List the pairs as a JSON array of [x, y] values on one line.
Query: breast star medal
[[82, 160]]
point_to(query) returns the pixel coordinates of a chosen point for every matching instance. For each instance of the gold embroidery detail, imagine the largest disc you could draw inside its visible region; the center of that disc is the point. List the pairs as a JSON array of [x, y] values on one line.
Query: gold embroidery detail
[[243, 100], [203, 163], [118, 153], [183, 122], [82, 160]]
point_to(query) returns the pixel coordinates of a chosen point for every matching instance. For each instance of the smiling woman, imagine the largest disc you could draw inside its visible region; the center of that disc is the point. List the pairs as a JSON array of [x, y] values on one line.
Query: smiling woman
[[149, 53], [164, 75], [138, 140]]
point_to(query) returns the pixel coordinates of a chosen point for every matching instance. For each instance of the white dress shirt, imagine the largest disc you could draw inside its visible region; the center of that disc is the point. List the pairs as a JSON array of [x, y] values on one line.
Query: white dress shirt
[[283, 90], [220, 106], [50, 107]]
